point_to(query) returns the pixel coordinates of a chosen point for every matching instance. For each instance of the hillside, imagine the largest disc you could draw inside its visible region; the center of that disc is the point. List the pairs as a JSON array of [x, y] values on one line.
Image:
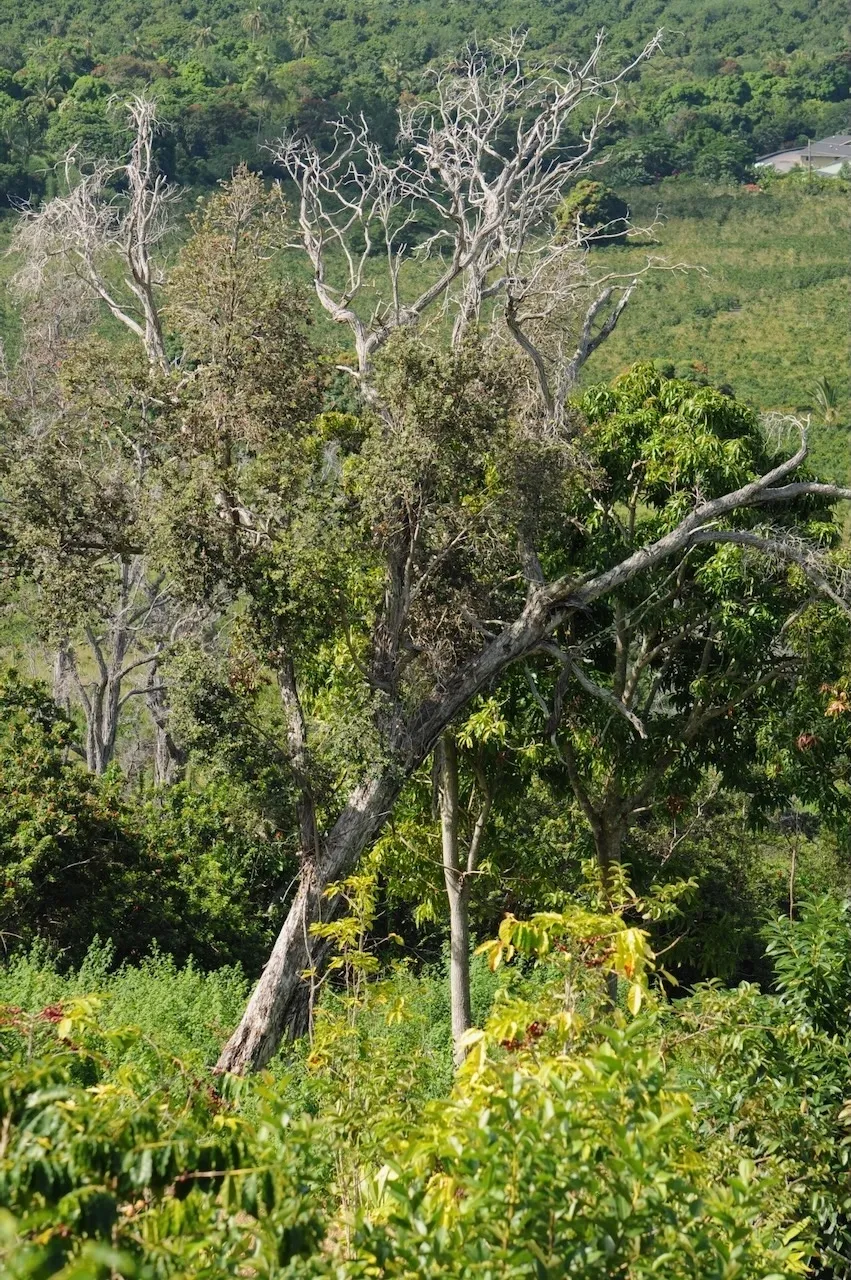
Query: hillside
[[730, 83], [425, 643], [768, 312]]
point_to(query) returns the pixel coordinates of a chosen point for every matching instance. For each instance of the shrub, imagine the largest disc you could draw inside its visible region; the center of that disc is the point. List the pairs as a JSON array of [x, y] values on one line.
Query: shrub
[[600, 214]]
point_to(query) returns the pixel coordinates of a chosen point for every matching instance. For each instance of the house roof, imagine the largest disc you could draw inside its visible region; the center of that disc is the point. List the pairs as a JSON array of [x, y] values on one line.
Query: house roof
[[838, 142], [836, 147]]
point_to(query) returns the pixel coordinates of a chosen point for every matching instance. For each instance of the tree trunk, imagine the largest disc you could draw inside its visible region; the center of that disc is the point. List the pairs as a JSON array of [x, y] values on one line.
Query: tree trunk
[[169, 756], [300, 760], [458, 893], [280, 1003], [100, 729], [608, 839], [62, 677]]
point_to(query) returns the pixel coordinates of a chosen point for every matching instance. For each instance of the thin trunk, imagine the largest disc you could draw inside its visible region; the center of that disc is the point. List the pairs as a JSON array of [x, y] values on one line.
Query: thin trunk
[[608, 839], [458, 893], [169, 756], [62, 676], [103, 708], [300, 760]]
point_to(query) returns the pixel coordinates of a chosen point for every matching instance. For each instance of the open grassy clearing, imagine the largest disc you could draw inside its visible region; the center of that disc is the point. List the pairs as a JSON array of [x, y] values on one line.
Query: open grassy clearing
[[769, 316]]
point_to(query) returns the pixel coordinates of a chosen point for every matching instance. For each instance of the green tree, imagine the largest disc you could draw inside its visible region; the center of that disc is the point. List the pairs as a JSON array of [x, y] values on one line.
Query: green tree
[[678, 673], [594, 213], [254, 22], [300, 36]]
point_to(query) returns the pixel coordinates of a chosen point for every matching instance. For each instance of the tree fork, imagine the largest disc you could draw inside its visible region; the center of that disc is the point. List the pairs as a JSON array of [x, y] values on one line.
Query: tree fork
[[271, 1011]]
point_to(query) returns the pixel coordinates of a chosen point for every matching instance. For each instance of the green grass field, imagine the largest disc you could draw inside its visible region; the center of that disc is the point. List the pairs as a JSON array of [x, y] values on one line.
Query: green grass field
[[769, 316]]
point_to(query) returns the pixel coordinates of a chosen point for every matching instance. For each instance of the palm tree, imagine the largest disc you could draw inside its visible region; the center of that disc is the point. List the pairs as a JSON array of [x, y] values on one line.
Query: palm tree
[[47, 94], [203, 37], [254, 22], [263, 88], [136, 45], [300, 36], [827, 398]]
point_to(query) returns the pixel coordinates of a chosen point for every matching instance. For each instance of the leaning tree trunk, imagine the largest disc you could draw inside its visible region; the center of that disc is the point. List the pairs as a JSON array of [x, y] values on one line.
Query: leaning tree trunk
[[280, 1003], [458, 893]]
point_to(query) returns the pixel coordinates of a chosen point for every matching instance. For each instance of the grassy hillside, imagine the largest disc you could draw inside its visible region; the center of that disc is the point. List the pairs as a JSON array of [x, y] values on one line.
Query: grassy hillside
[[770, 314]]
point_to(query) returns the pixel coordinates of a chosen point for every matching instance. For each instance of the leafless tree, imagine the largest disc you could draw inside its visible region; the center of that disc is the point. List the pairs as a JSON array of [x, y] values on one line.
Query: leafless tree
[[119, 659], [110, 211], [486, 156]]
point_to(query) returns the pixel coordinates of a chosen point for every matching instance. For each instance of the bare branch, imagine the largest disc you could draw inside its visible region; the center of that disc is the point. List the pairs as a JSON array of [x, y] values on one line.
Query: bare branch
[[486, 155], [784, 548], [81, 231]]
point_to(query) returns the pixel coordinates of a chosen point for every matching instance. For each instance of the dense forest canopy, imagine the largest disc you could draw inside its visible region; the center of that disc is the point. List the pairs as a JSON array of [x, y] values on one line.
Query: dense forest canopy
[[425, 747], [423, 31], [730, 83]]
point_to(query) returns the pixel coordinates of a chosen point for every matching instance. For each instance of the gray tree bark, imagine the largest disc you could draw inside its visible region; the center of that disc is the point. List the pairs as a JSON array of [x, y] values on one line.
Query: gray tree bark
[[458, 893], [280, 1004], [169, 756]]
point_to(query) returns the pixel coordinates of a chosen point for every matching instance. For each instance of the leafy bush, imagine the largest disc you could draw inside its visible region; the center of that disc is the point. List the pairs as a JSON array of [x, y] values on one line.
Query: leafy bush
[[194, 870], [812, 963], [103, 1173], [70, 865], [696, 1139], [598, 212], [771, 1078], [584, 1166]]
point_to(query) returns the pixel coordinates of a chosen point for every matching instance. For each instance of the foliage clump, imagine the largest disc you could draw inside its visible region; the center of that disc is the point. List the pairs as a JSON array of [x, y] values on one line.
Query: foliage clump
[[698, 1135]]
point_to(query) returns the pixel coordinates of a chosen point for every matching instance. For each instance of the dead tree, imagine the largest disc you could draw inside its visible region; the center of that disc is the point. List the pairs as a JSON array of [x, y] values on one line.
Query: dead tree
[[80, 232], [117, 656], [116, 649], [111, 212], [486, 155]]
